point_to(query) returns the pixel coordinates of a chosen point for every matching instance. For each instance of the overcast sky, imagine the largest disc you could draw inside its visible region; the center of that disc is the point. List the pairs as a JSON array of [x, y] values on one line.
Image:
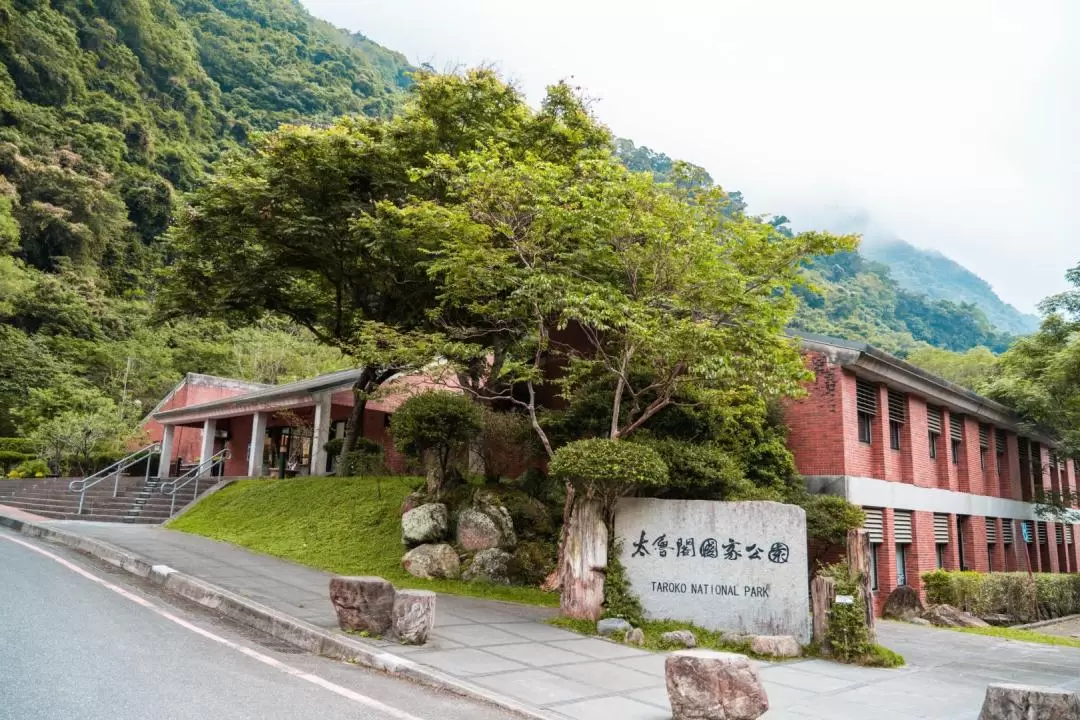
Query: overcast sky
[[952, 124]]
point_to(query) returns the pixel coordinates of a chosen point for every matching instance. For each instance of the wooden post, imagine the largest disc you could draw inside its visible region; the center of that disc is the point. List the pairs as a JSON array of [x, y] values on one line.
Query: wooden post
[[584, 562], [822, 595], [858, 556]]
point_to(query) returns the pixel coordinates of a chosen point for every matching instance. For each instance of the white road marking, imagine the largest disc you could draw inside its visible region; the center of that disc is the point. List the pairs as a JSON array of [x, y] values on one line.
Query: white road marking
[[265, 659]]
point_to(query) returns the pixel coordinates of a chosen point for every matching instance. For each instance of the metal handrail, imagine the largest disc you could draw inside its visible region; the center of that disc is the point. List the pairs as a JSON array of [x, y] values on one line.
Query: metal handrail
[[173, 486], [81, 485]]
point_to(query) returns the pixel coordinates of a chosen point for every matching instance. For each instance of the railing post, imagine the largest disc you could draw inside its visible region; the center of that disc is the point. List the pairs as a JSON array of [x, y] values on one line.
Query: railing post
[[116, 480], [81, 496], [172, 505], [149, 454]]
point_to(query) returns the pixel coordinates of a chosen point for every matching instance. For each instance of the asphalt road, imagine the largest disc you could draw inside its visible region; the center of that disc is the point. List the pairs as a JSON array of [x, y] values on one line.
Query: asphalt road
[[73, 648]]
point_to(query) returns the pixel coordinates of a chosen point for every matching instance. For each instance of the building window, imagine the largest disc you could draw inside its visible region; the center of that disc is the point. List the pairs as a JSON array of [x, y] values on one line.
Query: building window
[[933, 445], [901, 564], [956, 452], [873, 566], [894, 435], [990, 557], [864, 427], [940, 554], [982, 458]]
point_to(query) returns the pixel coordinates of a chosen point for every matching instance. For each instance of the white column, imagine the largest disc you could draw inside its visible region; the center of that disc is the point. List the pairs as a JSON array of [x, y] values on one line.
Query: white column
[[339, 431], [208, 429], [165, 459], [320, 433], [255, 447]]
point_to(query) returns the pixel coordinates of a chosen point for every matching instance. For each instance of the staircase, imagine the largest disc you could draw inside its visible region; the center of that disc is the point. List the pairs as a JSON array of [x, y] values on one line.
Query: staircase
[[137, 500]]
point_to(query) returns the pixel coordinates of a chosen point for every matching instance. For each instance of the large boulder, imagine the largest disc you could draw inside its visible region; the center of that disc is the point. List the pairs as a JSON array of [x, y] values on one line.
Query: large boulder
[[425, 524], [1027, 702], [903, 603], [780, 646], [492, 565], [432, 561], [707, 685], [363, 604], [949, 616], [413, 616], [484, 525]]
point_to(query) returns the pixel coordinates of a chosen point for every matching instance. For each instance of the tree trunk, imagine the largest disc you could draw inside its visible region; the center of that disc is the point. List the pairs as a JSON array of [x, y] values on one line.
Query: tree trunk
[[584, 562], [858, 555], [822, 595], [354, 428]]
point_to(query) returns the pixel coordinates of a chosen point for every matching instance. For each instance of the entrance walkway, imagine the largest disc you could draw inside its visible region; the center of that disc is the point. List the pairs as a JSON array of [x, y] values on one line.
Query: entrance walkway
[[509, 648]]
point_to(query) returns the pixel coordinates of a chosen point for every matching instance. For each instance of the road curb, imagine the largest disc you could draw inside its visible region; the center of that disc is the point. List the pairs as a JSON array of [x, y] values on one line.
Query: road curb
[[277, 624]]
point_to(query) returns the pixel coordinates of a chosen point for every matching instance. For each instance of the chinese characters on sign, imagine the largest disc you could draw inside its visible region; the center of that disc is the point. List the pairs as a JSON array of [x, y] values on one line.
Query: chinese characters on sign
[[684, 547]]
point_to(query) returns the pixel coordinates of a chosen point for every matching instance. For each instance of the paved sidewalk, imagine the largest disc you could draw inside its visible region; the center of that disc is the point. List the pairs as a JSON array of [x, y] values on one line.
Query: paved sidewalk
[[509, 649]]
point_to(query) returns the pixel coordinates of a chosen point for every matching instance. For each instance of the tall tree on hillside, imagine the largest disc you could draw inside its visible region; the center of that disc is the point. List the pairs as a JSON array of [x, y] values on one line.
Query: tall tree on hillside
[[306, 224]]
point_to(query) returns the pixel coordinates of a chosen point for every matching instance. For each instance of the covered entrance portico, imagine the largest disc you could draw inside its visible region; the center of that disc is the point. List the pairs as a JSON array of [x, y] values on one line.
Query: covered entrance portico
[[275, 431]]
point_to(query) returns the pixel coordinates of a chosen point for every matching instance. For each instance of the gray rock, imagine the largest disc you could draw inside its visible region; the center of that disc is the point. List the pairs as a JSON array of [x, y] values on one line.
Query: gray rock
[[998, 620], [948, 616], [432, 561], [610, 626], [492, 565], [920, 621], [363, 604], [425, 524], [903, 603], [781, 646], [477, 531], [682, 638], [501, 517], [1027, 702], [635, 637], [413, 616], [706, 685]]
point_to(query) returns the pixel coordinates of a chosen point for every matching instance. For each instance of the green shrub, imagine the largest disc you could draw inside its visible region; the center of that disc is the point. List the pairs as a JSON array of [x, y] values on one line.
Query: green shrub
[[30, 469], [608, 469], [1025, 597], [534, 561], [10, 458], [437, 425], [366, 458], [938, 586], [848, 637], [17, 445], [333, 446], [619, 600], [701, 470]]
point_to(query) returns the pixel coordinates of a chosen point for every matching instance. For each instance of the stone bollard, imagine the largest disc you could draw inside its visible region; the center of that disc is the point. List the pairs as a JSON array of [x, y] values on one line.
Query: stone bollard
[[363, 604], [413, 616], [1020, 702], [707, 685]]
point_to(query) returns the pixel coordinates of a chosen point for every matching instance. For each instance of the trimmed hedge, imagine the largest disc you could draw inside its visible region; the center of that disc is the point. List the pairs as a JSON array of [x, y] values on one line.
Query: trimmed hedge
[[17, 445], [1028, 598]]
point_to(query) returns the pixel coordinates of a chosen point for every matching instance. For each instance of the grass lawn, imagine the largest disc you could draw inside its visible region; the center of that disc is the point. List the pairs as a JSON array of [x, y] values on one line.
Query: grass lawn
[[348, 526], [1007, 633]]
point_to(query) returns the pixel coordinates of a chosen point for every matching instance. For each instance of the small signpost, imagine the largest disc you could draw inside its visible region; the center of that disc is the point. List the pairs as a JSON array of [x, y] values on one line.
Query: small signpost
[[845, 600]]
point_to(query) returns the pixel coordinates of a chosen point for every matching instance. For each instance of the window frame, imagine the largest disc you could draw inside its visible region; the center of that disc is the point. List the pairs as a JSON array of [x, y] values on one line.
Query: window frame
[[895, 434], [934, 439], [901, 564], [866, 427], [939, 554], [955, 447], [874, 566]]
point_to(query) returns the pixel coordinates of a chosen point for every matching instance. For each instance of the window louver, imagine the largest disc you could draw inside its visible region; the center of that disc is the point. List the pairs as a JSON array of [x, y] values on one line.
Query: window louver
[[1041, 529], [866, 397], [1068, 534], [941, 529], [991, 530], [1007, 531], [902, 526], [1059, 534], [897, 407], [1001, 441], [933, 419], [874, 525], [984, 436], [956, 427]]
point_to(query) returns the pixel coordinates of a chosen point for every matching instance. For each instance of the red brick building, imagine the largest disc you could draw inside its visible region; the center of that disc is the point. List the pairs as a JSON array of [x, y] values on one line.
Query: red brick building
[[946, 477]]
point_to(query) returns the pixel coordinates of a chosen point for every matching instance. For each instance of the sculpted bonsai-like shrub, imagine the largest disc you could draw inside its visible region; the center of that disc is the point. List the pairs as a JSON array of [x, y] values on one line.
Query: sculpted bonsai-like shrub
[[436, 426]]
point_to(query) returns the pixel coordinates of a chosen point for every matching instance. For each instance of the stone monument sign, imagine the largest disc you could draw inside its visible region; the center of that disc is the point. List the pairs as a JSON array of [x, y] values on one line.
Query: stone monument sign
[[734, 566]]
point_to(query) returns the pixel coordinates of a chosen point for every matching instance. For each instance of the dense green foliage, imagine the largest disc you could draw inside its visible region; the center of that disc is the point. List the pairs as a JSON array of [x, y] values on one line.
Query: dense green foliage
[[605, 470], [438, 425], [971, 369], [348, 526], [1026, 597], [108, 111], [854, 298], [849, 637], [929, 273]]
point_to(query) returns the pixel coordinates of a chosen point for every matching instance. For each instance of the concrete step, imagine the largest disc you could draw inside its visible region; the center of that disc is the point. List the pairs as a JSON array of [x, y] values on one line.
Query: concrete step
[[100, 518]]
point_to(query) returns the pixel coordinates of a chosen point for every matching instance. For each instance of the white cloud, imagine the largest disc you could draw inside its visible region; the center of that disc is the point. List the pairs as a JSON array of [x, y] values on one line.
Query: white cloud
[[951, 123]]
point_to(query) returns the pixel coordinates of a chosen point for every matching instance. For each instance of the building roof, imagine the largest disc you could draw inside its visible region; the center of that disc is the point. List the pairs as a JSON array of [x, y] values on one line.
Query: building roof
[[876, 364]]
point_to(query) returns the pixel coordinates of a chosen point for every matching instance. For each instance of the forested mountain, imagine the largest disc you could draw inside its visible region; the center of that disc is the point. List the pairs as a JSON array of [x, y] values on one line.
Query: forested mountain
[[931, 273], [109, 110]]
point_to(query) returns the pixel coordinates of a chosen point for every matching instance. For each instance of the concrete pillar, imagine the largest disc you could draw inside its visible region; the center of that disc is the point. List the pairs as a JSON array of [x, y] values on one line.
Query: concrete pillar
[[255, 446], [320, 433], [165, 460], [207, 451]]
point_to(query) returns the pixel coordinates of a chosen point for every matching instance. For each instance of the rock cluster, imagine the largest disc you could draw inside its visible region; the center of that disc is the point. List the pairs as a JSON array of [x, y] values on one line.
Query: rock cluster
[[484, 528], [425, 524], [705, 685], [372, 605], [492, 565], [949, 616], [432, 561]]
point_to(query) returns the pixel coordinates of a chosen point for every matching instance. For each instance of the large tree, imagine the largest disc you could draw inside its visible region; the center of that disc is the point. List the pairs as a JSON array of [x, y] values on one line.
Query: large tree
[[306, 224]]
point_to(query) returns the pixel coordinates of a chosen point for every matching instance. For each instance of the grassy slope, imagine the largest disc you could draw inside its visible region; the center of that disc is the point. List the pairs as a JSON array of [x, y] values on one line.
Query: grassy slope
[[341, 525], [1007, 633]]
